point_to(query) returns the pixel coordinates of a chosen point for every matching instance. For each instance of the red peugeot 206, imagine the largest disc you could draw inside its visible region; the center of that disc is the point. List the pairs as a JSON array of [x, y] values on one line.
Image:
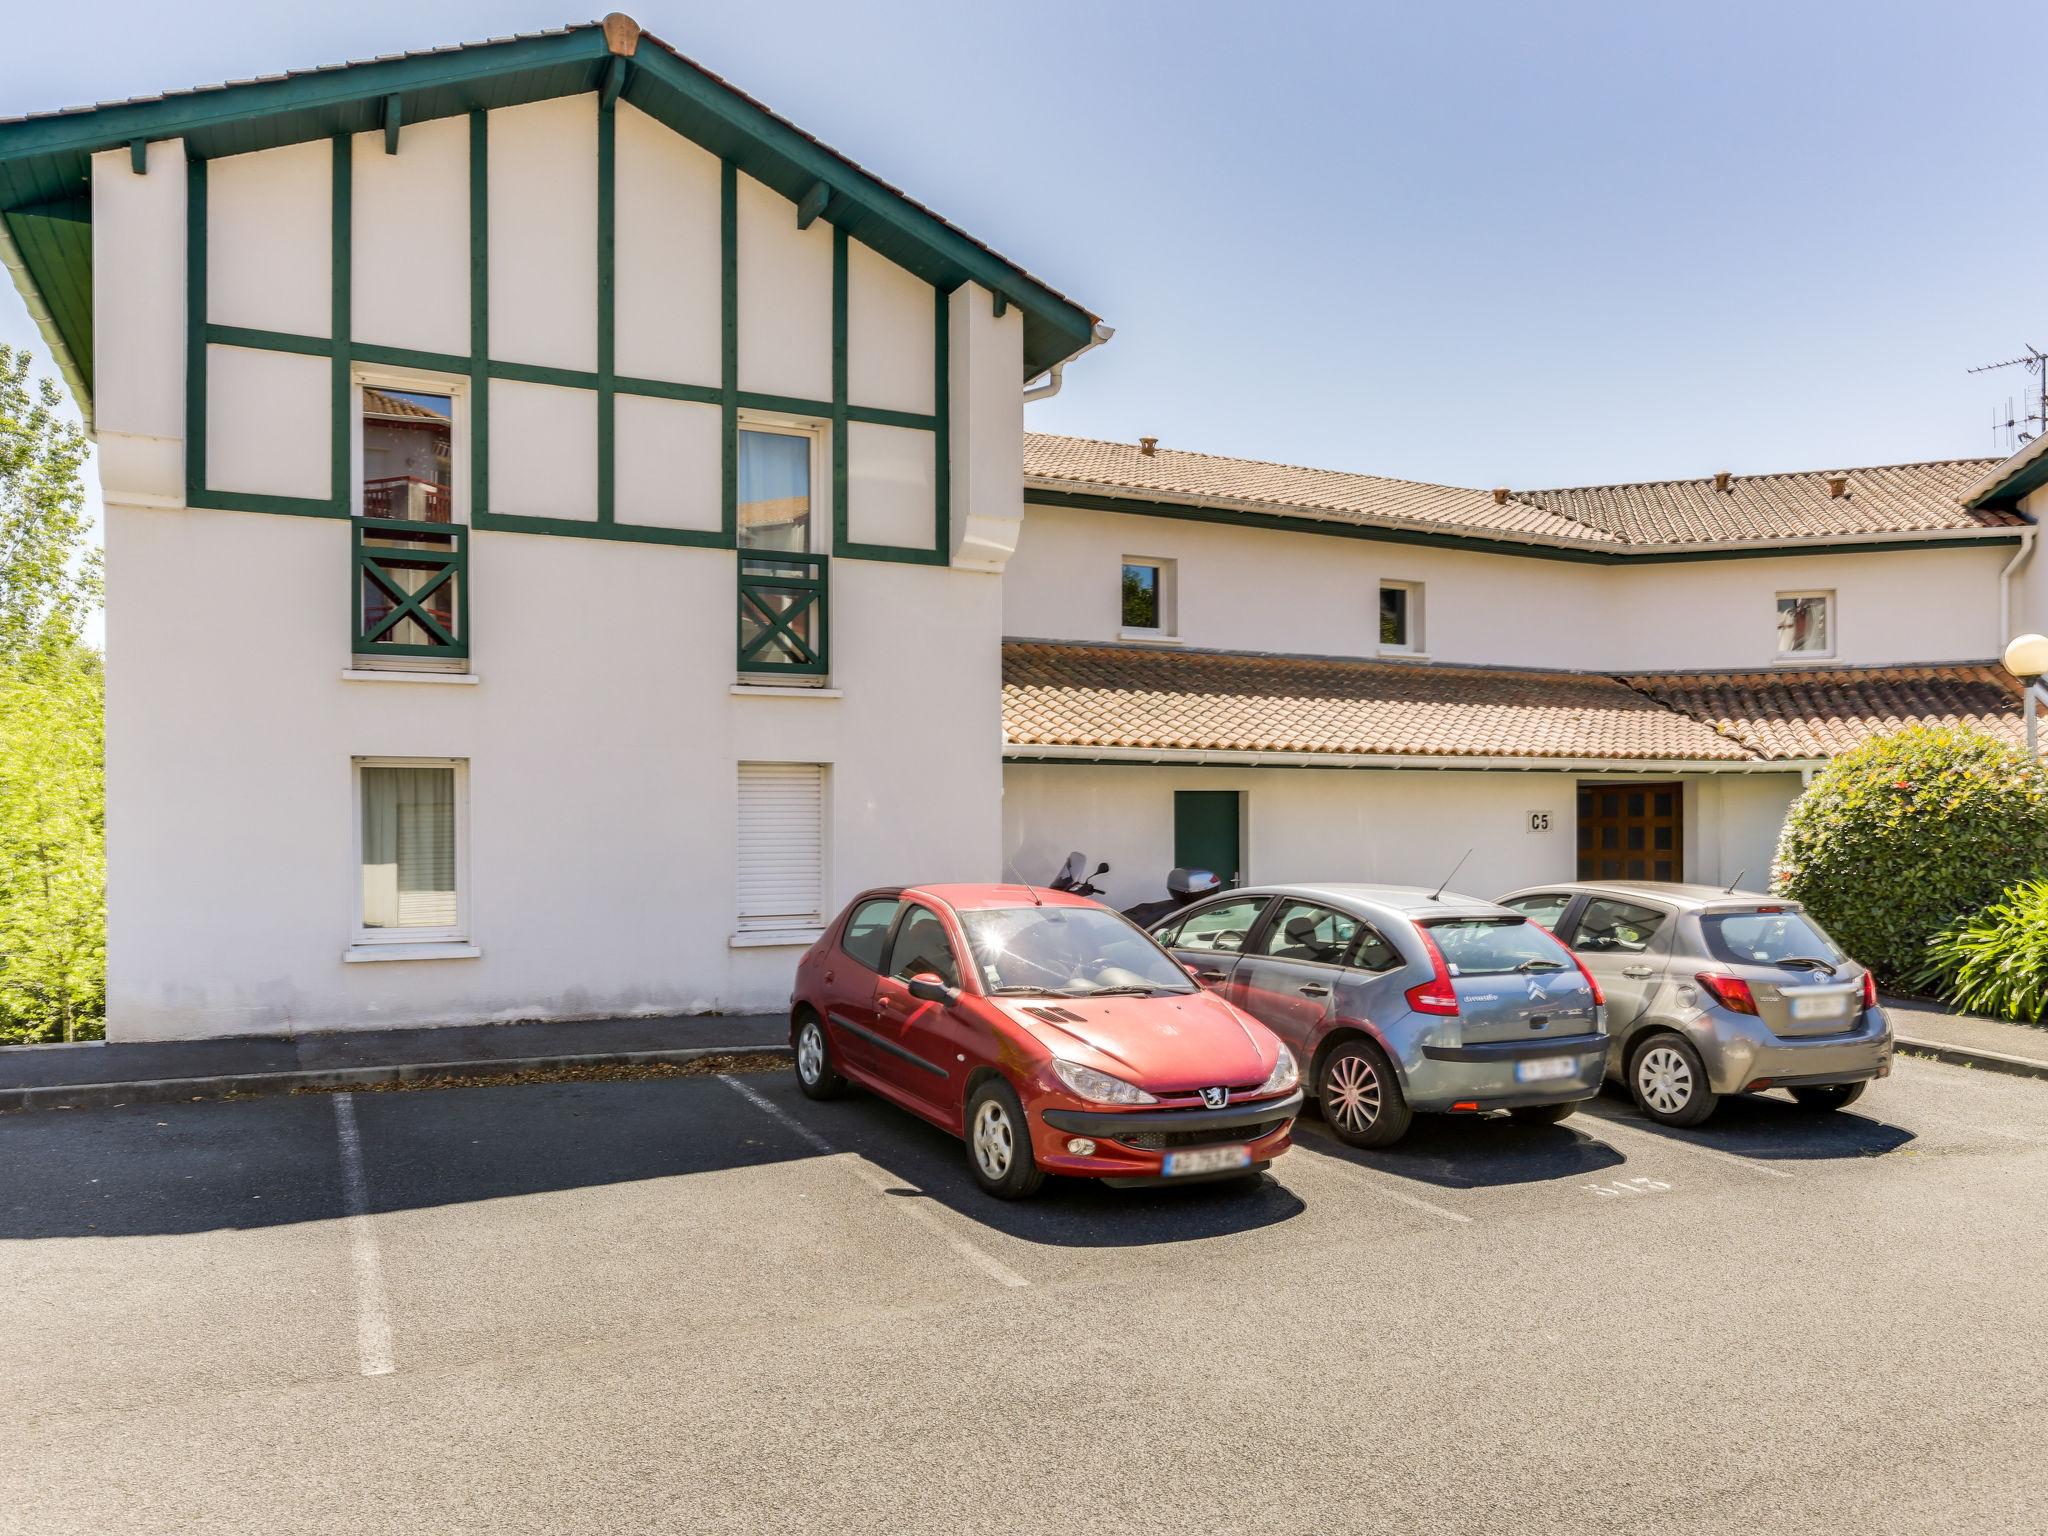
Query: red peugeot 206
[[1051, 1033]]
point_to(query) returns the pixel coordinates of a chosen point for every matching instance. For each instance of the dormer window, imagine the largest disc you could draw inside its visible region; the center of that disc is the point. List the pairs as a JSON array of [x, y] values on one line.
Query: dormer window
[[1806, 625]]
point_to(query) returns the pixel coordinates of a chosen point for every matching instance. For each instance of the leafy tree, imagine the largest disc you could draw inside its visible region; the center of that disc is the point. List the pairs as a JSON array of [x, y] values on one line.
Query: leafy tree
[[52, 780], [1899, 837]]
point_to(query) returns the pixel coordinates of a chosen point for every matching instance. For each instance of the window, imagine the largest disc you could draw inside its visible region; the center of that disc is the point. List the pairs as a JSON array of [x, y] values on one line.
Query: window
[[1618, 927], [781, 865], [1768, 938], [410, 575], [410, 826], [782, 597], [1547, 908], [1374, 953], [922, 947], [1148, 598], [1804, 627], [867, 930], [1304, 931], [1221, 927], [1494, 946], [1401, 616]]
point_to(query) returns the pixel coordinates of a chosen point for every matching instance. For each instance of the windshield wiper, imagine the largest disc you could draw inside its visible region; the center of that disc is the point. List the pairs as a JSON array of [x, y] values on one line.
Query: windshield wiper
[[1533, 963], [1808, 963], [1122, 992], [1025, 992]]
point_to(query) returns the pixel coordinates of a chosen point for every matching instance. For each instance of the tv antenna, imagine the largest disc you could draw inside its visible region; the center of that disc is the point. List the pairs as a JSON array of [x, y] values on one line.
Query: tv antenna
[[2023, 429]]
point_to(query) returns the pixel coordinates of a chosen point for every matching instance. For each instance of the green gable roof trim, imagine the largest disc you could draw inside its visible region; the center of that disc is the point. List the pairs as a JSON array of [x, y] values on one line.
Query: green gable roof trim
[[45, 160]]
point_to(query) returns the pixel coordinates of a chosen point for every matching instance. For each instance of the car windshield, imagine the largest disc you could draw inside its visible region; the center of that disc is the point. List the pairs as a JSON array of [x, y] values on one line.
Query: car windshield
[[1069, 952], [1497, 946], [1767, 937]]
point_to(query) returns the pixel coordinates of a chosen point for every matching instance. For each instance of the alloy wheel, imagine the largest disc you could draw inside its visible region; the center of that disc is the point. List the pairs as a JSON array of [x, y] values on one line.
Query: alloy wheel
[[810, 1052], [995, 1140], [1352, 1094], [1664, 1079]]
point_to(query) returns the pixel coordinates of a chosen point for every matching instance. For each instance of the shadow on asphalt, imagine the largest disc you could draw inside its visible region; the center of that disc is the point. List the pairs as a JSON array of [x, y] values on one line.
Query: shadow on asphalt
[[1470, 1151], [148, 1170], [1765, 1126]]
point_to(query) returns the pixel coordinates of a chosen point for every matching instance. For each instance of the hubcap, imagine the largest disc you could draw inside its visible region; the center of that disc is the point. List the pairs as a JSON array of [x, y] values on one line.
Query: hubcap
[[810, 1054], [1664, 1079], [1351, 1093], [995, 1141]]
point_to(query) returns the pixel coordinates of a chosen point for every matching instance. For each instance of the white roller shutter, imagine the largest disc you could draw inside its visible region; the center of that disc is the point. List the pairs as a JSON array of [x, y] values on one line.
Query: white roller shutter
[[781, 846]]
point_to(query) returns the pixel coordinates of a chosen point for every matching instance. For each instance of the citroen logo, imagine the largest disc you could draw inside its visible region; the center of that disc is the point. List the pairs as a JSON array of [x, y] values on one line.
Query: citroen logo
[[1216, 1098]]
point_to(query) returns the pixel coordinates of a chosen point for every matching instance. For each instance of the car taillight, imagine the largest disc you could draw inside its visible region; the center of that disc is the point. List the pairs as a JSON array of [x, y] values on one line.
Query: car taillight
[[1731, 992], [1436, 995], [1599, 997], [1869, 990]]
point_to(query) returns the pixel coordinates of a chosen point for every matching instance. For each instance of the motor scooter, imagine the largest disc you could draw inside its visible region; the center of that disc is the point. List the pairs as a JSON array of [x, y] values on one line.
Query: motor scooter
[[1076, 877]]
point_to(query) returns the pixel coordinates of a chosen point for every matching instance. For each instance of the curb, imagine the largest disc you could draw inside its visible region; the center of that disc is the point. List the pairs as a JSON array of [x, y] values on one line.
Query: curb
[[167, 1090], [1984, 1061]]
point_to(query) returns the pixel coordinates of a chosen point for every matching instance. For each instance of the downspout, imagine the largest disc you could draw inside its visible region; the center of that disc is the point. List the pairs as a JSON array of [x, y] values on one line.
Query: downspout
[[1053, 379], [2019, 558]]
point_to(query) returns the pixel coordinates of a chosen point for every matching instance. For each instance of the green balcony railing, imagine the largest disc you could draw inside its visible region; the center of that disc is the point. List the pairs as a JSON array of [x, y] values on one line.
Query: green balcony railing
[[411, 588], [783, 614]]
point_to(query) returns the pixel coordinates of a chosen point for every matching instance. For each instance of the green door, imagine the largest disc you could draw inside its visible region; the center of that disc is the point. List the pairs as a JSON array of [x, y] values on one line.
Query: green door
[[1205, 832]]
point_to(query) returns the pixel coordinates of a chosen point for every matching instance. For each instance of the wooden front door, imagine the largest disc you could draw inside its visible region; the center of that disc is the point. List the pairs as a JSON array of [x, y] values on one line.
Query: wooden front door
[[1631, 832]]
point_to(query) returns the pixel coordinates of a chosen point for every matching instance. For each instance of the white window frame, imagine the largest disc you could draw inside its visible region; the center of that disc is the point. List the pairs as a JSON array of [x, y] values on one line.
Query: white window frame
[[1415, 644], [759, 933], [362, 938], [1168, 627], [1827, 598], [418, 381], [823, 513]]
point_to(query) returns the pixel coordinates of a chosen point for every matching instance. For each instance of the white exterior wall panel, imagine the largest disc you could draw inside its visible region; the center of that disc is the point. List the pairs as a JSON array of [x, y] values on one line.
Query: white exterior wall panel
[[269, 241], [888, 333], [543, 450], [661, 449], [268, 426], [666, 264], [785, 298], [138, 281], [409, 238], [543, 233]]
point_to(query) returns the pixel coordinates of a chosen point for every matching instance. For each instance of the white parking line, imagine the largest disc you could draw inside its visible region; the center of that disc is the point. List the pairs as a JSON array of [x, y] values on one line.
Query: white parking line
[[919, 1211], [373, 1313], [1650, 1138], [1373, 1181]]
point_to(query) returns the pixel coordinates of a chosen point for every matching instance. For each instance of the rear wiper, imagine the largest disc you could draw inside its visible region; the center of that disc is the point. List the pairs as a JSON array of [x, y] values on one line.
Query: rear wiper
[[1808, 962], [1535, 964]]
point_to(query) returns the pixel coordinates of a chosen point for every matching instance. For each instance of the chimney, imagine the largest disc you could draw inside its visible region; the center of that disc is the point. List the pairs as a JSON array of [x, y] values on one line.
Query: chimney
[[1500, 495], [1146, 445], [1838, 486], [1720, 479]]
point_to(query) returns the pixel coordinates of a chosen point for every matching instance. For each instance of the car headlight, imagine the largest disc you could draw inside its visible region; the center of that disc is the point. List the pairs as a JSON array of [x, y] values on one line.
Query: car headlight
[[1100, 1087], [1285, 1074]]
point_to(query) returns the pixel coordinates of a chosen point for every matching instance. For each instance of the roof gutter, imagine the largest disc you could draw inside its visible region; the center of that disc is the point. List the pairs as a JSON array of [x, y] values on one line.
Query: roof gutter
[[1014, 751], [46, 324], [1055, 376]]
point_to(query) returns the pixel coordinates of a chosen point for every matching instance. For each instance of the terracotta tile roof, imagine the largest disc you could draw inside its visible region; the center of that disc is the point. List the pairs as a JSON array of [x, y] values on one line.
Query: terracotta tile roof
[[1083, 695], [1755, 509], [1805, 714], [377, 403]]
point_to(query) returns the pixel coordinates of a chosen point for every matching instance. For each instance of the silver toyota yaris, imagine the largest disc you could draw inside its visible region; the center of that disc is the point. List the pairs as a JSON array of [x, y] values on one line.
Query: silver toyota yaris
[[1712, 992]]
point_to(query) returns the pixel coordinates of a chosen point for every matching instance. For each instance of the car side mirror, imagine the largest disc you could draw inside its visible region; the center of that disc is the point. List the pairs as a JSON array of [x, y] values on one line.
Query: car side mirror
[[927, 988]]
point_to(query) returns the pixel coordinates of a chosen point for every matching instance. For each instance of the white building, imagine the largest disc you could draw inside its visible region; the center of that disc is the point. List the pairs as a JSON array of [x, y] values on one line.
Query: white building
[[568, 531]]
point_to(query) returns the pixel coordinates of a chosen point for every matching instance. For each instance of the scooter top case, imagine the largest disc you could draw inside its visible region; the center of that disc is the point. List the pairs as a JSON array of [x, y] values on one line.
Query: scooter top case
[[1184, 886]]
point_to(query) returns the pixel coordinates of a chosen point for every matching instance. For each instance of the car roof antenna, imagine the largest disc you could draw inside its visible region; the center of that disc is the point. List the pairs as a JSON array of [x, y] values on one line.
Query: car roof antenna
[[1012, 868], [1735, 882], [1438, 893]]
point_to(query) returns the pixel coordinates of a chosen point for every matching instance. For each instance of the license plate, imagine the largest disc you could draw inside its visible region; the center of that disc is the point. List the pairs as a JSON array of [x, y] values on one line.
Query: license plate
[[1207, 1160], [1820, 1007], [1541, 1069]]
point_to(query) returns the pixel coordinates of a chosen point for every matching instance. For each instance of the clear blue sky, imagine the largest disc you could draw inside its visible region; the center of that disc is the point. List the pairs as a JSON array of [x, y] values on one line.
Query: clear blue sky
[[1486, 243]]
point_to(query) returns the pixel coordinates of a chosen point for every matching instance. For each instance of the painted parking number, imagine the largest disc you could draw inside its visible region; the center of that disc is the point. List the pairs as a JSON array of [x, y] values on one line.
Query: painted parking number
[[1624, 1187]]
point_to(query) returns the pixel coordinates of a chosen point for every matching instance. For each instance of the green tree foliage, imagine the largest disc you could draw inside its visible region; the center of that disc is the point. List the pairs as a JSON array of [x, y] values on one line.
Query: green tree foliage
[[1995, 961], [52, 781], [1899, 838]]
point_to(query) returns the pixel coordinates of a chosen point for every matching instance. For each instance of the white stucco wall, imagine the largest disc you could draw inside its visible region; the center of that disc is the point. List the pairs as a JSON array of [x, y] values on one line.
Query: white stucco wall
[[1261, 589], [543, 232], [1399, 826], [785, 297], [666, 262], [269, 239], [409, 237]]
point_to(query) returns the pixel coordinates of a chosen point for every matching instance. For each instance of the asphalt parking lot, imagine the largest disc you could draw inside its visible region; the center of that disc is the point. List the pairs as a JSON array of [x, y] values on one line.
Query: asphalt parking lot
[[711, 1305]]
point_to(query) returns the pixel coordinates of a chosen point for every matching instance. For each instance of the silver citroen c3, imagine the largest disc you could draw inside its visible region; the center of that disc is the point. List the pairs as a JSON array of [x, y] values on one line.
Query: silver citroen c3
[[1712, 992]]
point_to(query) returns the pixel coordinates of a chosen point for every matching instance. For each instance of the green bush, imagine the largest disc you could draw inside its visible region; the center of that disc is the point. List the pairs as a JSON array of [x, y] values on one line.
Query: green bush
[[1898, 839], [1996, 961]]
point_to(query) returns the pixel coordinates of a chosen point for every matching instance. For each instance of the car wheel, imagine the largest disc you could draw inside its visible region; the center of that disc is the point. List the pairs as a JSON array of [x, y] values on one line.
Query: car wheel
[[1360, 1096], [1669, 1081], [1542, 1114], [814, 1074], [1829, 1095], [999, 1143]]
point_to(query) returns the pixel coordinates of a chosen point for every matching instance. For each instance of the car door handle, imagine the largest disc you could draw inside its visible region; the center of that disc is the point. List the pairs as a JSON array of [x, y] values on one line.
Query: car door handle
[[1208, 975], [1313, 989], [1638, 972]]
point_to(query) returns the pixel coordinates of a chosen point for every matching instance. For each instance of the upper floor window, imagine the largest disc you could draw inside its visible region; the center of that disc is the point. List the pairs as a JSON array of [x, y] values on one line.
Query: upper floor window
[[1401, 616], [410, 569], [783, 582], [1148, 599], [775, 489], [1806, 624]]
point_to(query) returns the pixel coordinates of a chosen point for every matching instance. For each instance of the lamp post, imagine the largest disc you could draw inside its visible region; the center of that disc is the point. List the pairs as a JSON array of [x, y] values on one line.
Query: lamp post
[[2026, 659]]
